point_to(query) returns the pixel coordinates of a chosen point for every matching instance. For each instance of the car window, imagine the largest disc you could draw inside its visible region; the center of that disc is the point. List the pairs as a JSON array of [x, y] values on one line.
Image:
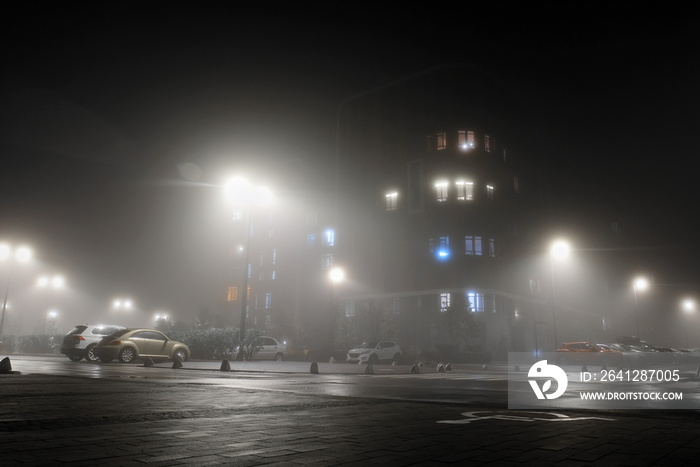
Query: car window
[[384, 345], [118, 333], [368, 345], [104, 330], [268, 341], [77, 330]]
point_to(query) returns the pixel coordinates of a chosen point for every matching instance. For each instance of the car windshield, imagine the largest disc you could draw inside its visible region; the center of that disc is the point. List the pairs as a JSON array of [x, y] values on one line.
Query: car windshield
[[367, 345], [77, 330]]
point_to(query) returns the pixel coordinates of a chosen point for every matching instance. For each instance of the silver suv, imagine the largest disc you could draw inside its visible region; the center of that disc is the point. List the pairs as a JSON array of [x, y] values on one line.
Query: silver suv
[[80, 342]]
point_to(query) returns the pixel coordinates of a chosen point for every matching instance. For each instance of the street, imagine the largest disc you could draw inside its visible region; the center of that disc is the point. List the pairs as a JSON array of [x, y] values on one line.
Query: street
[[56, 411]]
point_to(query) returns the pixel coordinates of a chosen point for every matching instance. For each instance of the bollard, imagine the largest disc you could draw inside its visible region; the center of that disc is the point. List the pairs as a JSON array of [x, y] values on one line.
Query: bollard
[[448, 367], [415, 368], [6, 367], [332, 360], [483, 367], [370, 369], [225, 365], [177, 363], [148, 361], [517, 368], [314, 368], [440, 368], [584, 368]]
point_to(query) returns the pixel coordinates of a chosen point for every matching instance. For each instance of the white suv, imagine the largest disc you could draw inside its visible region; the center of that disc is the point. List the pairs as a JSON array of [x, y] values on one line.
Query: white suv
[[374, 352], [80, 342]]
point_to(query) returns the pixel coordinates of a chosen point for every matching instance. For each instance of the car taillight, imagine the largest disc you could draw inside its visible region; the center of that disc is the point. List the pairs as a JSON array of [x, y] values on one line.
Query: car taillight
[[81, 338]]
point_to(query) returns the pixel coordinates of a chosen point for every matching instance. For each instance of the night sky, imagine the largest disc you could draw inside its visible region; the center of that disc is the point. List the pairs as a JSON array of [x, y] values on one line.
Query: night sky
[[105, 112]]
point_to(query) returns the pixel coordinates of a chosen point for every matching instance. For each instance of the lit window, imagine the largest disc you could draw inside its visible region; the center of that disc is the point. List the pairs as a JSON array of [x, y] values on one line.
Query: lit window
[[465, 190], [465, 140], [489, 192], [274, 274], [441, 140], [274, 256], [268, 300], [476, 302], [441, 191], [487, 143], [329, 237], [444, 301], [472, 245], [250, 270], [443, 250], [311, 240], [391, 201], [232, 295], [492, 248]]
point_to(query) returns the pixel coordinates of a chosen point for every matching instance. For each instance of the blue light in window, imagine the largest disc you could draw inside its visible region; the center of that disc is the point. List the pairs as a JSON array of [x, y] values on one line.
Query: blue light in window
[[443, 254]]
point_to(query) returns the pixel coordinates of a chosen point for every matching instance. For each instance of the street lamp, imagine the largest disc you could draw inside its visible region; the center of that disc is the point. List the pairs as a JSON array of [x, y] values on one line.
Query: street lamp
[[688, 306], [125, 304], [559, 250], [336, 275], [640, 283], [239, 190], [50, 283], [20, 254]]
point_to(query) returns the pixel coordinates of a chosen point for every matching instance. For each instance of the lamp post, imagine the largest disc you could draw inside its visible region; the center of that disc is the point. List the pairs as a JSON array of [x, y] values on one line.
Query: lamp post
[[336, 276], [558, 250], [50, 283], [238, 190], [688, 306], [21, 254], [640, 283]]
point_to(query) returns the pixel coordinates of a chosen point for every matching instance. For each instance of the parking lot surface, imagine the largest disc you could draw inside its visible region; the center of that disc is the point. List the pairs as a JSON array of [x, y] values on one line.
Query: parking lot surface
[[132, 420]]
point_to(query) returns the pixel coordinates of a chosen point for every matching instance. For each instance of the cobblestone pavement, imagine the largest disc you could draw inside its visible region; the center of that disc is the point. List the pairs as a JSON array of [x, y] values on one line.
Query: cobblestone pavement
[[54, 420]]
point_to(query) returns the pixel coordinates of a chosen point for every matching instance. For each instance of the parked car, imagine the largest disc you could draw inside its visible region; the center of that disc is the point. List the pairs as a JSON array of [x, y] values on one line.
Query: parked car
[[587, 353], [270, 349], [80, 342], [130, 344], [375, 352]]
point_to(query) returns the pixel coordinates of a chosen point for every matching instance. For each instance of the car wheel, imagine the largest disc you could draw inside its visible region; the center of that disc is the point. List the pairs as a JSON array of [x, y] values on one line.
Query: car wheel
[[181, 354], [90, 354], [373, 358], [279, 357], [127, 355], [75, 358]]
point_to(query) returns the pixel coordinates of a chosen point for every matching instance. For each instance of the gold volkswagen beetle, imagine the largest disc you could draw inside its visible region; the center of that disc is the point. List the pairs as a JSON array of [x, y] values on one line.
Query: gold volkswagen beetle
[[130, 344]]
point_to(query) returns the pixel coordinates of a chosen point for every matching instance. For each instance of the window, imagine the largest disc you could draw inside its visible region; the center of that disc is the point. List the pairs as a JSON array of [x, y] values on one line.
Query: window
[[472, 245], [465, 190], [391, 201], [465, 139], [329, 237], [327, 260], [250, 270], [268, 300], [441, 141], [311, 240], [487, 143], [476, 302], [232, 294], [274, 256], [443, 247], [492, 248], [441, 191], [489, 192], [444, 301]]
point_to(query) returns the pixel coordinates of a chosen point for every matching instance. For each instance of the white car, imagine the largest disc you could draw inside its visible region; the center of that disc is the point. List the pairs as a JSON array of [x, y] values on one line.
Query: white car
[[375, 352], [270, 349], [81, 341]]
